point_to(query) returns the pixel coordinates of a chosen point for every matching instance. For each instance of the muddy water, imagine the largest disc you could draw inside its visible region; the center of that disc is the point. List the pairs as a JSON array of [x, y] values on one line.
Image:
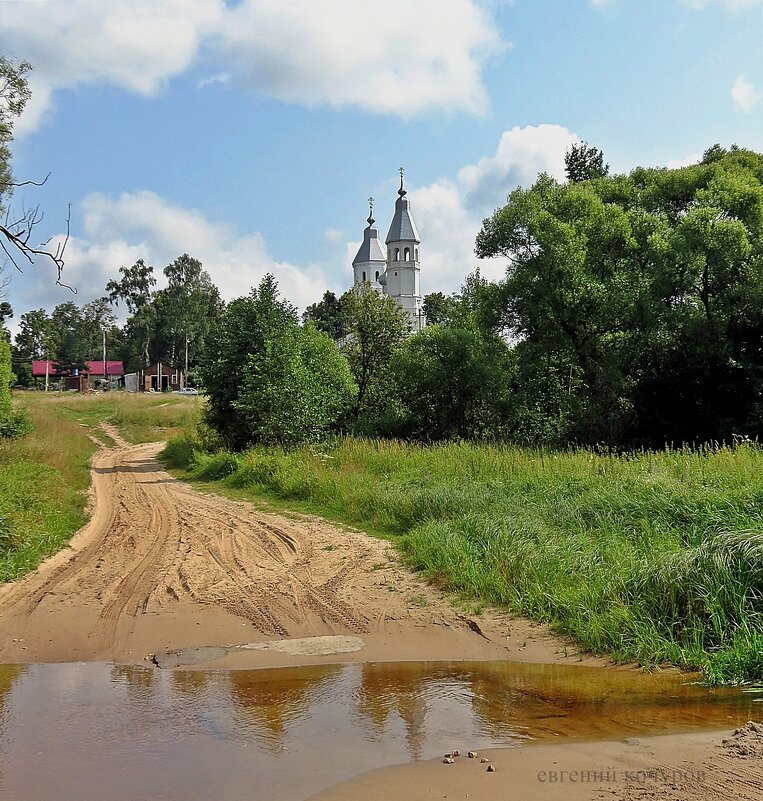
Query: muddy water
[[120, 733]]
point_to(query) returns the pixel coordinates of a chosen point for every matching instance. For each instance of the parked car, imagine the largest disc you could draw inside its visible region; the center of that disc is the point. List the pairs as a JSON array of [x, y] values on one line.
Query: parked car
[[188, 391]]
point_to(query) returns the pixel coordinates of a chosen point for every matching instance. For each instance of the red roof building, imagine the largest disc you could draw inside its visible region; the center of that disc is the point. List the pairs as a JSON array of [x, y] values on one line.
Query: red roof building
[[114, 369]]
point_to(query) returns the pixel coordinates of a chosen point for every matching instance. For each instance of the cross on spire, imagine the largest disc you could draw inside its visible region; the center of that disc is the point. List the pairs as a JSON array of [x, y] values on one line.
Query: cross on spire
[[371, 220], [401, 191]]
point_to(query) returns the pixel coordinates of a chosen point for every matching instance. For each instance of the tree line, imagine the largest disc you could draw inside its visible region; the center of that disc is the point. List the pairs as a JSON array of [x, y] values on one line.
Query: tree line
[[167, 325], [630, 314]]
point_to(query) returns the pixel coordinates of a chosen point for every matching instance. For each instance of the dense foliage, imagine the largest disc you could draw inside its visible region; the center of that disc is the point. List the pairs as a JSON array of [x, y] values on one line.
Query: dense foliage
[[14, 422], [268, 379], [635, 303]]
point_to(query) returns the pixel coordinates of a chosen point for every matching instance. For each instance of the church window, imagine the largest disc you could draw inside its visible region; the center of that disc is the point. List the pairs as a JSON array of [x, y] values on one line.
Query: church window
[[377, 275], [397, 254], [407, 255], [364, 276], [417, 254]]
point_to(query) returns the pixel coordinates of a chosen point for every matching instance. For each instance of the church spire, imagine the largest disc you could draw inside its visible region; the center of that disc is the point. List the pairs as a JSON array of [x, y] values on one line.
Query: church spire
[[403, 228], [371, 249]]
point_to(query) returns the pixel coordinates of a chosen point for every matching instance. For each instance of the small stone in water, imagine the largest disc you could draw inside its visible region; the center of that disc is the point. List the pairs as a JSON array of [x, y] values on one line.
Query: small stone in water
[[490, 769], [484, 760], [455, 753], [471, 754], [448, 760]]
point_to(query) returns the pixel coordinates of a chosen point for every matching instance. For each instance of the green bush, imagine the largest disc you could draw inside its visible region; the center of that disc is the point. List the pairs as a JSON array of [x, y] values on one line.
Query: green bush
[[17, 423], [14, 422], [295, 386]]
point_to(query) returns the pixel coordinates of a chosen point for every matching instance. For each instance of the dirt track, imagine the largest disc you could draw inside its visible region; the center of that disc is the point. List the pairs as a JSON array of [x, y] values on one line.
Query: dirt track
[[161, 566]]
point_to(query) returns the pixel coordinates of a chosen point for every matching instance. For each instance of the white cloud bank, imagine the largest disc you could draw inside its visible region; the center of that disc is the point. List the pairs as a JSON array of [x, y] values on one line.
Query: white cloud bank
[[143, 225], [745, 96], [403, 58]]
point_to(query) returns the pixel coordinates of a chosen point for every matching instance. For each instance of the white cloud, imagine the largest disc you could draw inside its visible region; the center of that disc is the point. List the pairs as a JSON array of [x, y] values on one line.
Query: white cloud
[[117, 232], [220, 77], [133, 44], [687, 161], [745, 95], [403, 58], [522, 153]]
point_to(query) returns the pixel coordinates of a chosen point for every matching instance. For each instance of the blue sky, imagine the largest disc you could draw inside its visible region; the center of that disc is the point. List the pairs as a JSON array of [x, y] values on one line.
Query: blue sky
[[250, 134]]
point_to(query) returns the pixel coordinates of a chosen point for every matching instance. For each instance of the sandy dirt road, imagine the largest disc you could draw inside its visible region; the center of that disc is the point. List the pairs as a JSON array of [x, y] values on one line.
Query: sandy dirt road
[[161, 567]]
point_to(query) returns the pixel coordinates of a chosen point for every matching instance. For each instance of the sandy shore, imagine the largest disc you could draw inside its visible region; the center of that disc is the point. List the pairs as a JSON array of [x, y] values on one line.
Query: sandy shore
[[167, 573], [686, 767]]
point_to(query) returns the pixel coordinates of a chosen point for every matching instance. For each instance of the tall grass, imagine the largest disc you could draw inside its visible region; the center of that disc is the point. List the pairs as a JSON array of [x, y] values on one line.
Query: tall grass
[[139, 418], [44, 476], [655, 557], [43, 490]]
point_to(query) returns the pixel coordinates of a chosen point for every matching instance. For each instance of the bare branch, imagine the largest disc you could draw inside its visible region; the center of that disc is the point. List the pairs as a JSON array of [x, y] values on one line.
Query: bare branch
[[19, 241], [32, 183]]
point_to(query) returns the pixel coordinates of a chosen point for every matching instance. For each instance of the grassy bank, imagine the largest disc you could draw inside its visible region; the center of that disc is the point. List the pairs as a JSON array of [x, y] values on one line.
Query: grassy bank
[[44, 477], [656, 557]]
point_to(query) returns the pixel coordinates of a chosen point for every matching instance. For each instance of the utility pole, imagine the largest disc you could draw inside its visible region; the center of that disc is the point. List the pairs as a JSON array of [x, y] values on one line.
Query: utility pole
[[185, 373], [105, 369]]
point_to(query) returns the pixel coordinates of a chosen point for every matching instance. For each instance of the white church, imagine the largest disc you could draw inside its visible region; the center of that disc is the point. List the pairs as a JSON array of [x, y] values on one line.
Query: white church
[[393, 268]]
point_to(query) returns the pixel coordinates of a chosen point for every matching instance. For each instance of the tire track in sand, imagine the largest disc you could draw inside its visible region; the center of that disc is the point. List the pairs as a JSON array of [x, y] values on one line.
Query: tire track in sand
[[157, 550]]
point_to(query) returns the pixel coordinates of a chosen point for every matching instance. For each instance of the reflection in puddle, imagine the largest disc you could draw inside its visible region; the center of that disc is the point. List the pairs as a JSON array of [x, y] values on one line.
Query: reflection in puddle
[[117, 732]]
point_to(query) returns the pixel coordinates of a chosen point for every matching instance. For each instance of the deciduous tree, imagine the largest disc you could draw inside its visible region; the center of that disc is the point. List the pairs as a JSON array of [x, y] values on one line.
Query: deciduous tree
[[377, 328]]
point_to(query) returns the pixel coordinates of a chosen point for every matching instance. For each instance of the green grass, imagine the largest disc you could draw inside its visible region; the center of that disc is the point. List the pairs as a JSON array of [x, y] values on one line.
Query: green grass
[[653, 557], [45, 476], [139, 418]]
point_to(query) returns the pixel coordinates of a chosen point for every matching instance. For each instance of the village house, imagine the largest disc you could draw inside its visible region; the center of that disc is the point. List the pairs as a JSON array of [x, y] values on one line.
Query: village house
[[92, 377], [160, 377]]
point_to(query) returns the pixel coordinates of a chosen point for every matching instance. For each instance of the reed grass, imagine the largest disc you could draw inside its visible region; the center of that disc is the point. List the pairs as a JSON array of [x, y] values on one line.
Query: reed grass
[[651, 556]]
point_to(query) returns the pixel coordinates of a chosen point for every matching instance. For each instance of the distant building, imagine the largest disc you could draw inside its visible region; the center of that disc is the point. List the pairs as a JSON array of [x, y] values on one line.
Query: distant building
[[159, 377], [393, 268], [92, 376]]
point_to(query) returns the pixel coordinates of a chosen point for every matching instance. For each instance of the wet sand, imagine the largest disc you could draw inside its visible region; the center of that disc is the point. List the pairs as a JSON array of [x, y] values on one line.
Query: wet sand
[[696, 767]]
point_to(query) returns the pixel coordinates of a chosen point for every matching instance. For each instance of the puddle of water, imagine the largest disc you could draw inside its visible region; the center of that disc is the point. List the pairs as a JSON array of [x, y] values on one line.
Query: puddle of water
[[119, 733]]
